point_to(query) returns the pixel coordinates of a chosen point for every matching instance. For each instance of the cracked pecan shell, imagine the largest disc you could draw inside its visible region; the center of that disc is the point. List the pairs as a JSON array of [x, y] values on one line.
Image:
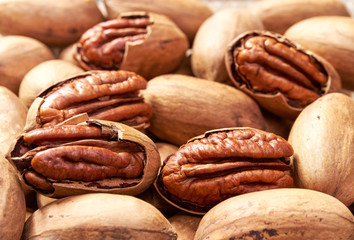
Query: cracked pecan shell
[[282, 76], [146, 43], [223, 163], [103, 95], [94, 156]]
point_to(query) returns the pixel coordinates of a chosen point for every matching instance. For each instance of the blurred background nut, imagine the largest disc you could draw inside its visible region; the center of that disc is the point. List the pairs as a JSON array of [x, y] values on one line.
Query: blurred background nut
[[98, 216], [185, 107], [279, 74], [12, 202], [43, 76], [187, 14], [212, 39], [278, 16], [53, 23], [323, 141], [148, 44], [331, 37], [290, 214], [12, 117], [19, 54]]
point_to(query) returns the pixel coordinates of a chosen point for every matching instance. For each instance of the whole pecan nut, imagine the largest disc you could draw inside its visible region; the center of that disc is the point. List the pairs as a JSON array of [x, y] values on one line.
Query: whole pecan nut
[[103, 95], [95, 156], [282, 76], [223, 163], [146, 43]]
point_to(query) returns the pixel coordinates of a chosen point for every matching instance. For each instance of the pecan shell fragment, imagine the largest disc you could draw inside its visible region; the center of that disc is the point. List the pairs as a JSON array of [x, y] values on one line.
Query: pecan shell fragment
[[90, 157], [103, 95], [282, 76], [223, 163]]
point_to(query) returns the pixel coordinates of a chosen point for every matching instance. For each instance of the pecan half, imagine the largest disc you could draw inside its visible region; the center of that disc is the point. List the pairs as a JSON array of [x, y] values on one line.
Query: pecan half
[[103, 95], [267, 65], [103, 46], [148, 44], [224, 163], [92, 156]]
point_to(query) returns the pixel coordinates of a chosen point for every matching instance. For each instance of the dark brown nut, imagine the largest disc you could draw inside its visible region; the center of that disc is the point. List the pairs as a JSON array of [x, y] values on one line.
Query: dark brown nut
[[96, 156], [282, 76], [103, 95], [223, 163], [145, 43]]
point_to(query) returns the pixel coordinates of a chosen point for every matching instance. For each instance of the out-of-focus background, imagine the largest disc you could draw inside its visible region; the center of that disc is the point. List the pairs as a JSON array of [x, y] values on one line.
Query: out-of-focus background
[[216, 5]]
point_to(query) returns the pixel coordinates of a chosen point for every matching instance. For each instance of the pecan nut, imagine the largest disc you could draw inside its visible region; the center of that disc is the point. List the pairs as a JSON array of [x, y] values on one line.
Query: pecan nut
[[282, 76], [103, 95], [94, 156], [146, 43], [223, 163]]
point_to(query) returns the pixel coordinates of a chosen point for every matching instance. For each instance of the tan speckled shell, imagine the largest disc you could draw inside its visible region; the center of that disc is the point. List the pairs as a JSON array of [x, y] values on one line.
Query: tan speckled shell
[[12, 202], [286, 213], [98, 216], [323, 141]]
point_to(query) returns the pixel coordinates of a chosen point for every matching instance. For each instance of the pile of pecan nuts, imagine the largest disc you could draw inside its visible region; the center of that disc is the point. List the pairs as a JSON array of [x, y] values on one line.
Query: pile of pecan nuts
[[173, 120]]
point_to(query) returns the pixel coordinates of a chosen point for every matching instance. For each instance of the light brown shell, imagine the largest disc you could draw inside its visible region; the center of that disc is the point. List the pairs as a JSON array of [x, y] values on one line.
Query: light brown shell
[[49, 22], [98, 216], [12, 117], [19, 54], [185, 225], [12, 202], [277, 16], [277, 103], [286, 213], [212, 39], [43, 76], [125, 133], [188, 15], [186, 106], [161, 52], [323, 141], [331, 37]]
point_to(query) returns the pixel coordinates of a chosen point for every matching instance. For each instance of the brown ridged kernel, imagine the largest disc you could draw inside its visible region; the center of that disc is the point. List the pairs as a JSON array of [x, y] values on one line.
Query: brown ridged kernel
[[103, 95], [282, 76], [93, 156], [224, 163]]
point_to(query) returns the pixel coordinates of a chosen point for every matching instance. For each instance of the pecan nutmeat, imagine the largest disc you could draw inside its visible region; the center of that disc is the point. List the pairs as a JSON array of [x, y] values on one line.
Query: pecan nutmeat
[[89, 155], [103, 46], [224, 163], [281, 75], [103, 95]]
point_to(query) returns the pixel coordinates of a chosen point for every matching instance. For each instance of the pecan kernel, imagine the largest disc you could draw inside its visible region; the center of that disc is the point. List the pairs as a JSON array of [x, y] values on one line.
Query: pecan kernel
[[104, 95], [224, 163], [267, 63], [77, 153], [103, 46]]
